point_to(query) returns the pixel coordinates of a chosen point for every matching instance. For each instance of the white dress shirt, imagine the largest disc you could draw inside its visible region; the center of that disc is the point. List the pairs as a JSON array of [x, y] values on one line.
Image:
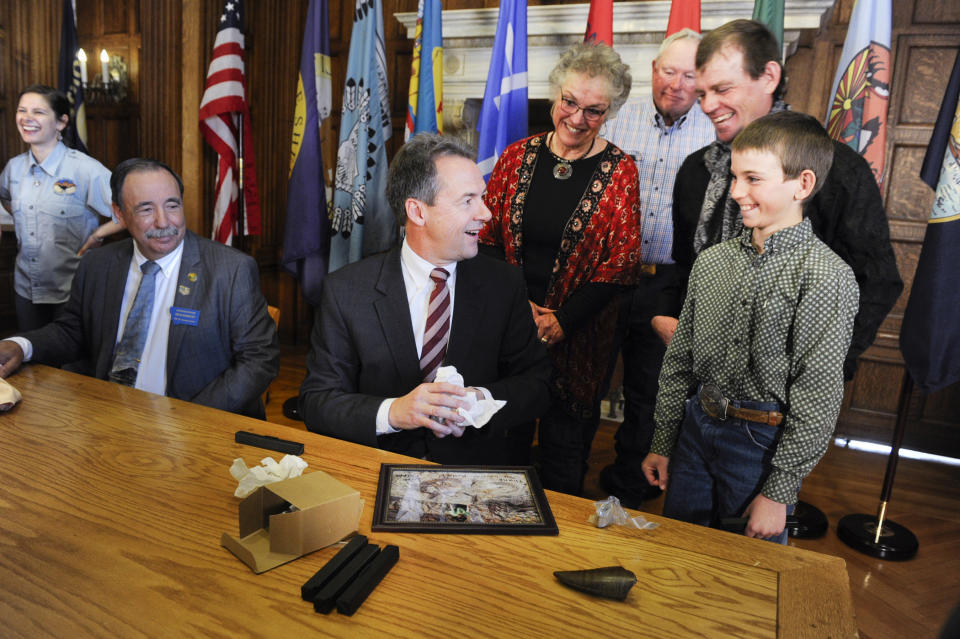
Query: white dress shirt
[[152, 372]]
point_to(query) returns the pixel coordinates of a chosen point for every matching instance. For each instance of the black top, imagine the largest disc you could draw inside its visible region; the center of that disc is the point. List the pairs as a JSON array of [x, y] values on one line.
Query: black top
[[550, 203], [847, 214]]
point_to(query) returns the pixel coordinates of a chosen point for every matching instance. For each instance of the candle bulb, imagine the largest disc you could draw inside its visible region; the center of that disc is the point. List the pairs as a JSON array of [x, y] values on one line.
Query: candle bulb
[[82, 57], [104, 71]]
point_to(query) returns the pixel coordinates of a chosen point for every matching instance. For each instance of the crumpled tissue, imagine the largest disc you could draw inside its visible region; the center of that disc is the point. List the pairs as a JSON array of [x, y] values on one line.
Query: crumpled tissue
[[609, 511], [267, 473], [9, 395], [478, 411]]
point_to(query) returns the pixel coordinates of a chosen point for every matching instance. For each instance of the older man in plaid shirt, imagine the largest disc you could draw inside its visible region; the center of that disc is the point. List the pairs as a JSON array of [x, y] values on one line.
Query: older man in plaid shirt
[[659, 132]]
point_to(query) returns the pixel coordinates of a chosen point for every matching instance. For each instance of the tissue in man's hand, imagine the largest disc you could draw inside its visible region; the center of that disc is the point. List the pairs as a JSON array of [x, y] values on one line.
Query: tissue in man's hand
[[267, 473], [478, 411]]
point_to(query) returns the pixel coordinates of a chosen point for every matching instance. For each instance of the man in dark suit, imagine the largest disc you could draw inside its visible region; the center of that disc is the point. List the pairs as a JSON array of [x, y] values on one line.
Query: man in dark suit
[[372, 359], [199, 332]]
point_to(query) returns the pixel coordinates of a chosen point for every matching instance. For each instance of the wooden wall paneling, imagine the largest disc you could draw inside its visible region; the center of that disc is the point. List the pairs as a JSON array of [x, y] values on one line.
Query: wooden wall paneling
[[192, 75], [924, 43], [161, 92], [920, 56], [936, 12], [6, 111]]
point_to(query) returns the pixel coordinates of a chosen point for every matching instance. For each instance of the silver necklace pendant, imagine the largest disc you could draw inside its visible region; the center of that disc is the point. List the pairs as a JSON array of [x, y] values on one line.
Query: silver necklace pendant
[[562, 170]]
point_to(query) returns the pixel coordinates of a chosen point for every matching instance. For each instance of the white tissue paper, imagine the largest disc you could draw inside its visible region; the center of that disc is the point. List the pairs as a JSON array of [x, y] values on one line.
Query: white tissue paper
[[267, 473], [479, 411]]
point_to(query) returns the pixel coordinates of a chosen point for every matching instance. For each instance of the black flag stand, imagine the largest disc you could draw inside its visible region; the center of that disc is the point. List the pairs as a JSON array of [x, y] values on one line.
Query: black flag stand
[[878, 536]]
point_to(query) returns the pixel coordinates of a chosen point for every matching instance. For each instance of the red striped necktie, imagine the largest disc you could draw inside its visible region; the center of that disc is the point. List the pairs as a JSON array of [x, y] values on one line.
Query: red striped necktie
[[437, 330]]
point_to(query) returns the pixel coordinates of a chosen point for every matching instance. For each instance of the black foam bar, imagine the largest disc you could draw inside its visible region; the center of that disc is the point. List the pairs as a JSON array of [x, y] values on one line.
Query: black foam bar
[[327, 597], [363, 585], [313, 585]]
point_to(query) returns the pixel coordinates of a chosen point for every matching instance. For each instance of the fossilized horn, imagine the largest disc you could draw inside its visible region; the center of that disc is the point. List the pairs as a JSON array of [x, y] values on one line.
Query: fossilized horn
[[612, 582]]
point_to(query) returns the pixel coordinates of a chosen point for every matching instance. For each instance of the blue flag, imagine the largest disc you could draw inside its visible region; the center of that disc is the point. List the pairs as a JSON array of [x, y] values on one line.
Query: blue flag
[[68, 80], [425, 105], [930, 334], [503, 116], [362, 223], [306, 237]]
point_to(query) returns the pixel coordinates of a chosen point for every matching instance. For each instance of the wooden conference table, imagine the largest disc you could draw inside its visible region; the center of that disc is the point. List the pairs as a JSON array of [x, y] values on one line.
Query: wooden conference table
[[112, 503]]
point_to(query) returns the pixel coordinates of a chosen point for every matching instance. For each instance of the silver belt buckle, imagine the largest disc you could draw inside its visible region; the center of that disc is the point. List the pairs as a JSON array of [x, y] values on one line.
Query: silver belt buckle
[[713, 402]]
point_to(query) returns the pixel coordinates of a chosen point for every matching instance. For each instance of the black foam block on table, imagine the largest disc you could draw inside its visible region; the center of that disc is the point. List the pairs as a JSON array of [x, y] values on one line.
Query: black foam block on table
[[313, 585], [366, 581], [327, 597]]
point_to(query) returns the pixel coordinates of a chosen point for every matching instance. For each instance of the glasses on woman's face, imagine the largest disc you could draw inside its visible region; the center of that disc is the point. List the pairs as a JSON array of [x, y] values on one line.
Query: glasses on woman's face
[[591, 113]]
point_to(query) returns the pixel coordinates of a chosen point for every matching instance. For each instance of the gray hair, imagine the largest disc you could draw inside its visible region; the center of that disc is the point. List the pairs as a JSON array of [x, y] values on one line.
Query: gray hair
[[594, 60], [685, 33], [413, 172]]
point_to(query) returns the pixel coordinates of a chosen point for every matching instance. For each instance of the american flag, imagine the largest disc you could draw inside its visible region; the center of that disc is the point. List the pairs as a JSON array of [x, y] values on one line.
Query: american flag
[[223, 105]]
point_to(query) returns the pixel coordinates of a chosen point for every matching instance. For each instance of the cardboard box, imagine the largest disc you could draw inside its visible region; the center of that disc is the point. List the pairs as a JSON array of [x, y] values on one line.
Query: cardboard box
[[325, 511]]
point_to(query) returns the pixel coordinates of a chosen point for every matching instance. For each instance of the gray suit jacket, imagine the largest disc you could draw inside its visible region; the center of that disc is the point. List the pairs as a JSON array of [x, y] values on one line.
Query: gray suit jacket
[[226, 361], [363, 351]]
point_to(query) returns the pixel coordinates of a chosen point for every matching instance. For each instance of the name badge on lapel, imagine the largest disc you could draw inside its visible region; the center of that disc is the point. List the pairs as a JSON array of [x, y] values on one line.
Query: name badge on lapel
[[187, 316]]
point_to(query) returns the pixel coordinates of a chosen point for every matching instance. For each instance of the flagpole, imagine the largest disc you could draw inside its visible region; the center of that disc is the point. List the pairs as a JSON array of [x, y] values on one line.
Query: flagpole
[[878, 536], [241, 198]]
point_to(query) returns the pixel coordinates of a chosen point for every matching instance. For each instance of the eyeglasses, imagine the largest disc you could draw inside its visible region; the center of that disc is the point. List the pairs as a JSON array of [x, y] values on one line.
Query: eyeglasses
[[592, 114]]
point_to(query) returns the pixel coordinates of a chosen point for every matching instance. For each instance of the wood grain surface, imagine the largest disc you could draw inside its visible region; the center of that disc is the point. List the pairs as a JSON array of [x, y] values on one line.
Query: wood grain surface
[[113, 502]]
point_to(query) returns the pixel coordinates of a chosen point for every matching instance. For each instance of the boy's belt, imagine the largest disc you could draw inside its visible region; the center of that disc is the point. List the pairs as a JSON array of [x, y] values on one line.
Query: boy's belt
[[717, 406]]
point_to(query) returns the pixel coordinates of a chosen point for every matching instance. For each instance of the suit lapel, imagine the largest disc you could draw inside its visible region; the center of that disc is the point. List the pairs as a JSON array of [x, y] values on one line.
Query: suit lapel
[[394, 315], [191, 285], [467, 311], [113, 287]]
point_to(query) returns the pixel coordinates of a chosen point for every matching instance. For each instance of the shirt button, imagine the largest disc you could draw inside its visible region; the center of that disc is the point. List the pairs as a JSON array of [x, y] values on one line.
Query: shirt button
[[654, 188]]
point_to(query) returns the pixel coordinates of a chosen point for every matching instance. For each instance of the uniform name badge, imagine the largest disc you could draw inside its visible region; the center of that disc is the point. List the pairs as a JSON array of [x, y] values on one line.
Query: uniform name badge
[[188, 316]]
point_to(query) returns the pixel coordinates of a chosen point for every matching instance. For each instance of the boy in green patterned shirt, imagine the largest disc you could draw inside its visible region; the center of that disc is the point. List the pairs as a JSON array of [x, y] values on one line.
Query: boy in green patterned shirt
[[752, 381]]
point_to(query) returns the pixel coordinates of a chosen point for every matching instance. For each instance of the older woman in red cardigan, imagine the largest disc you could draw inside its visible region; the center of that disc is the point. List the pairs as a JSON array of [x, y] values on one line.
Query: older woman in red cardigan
[[565, 210]]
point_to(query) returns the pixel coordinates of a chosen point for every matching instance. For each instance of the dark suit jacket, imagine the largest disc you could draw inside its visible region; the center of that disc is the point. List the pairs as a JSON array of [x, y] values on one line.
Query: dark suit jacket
[[226, 361], [847, 214], [363, 351]]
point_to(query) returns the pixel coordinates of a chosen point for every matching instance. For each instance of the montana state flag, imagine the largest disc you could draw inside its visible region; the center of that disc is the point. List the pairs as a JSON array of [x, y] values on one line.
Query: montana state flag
[[930, 334]]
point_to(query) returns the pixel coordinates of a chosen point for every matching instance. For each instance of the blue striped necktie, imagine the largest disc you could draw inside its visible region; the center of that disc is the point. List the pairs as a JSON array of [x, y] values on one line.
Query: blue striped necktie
[[126, 362]]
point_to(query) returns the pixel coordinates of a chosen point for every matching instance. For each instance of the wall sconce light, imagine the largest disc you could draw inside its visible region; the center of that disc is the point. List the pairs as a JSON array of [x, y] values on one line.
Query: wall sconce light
[[112, 83]]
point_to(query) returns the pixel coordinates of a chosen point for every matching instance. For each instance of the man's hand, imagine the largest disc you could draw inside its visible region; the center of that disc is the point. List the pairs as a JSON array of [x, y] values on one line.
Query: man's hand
[[11, 356], [430, 405], [654, 468], [664, 326], [548, 328], [766, 517]]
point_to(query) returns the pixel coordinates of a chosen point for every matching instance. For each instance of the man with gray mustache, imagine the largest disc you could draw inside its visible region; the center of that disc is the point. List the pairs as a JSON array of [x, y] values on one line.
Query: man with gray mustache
[[166, 311]]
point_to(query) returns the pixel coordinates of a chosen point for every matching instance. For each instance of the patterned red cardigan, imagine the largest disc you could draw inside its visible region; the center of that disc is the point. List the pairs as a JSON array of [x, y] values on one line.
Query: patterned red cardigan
[[601, 243]]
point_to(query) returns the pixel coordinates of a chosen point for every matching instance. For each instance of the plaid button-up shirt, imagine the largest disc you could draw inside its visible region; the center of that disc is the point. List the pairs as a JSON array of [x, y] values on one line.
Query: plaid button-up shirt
[[659, 151]]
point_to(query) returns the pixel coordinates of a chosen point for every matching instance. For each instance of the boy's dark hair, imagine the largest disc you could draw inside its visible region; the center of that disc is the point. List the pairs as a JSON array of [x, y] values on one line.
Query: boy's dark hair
[[754, 40], [797, 139], [413, 172]]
